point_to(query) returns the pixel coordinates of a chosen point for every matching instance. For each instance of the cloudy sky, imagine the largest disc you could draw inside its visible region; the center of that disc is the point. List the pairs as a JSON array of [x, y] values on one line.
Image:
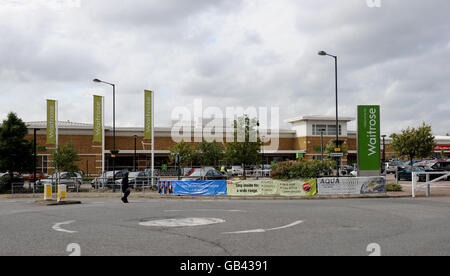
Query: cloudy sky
[[227, 53]]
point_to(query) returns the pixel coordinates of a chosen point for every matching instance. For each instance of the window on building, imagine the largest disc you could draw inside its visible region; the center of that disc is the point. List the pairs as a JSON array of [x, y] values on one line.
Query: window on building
[[328, 130]]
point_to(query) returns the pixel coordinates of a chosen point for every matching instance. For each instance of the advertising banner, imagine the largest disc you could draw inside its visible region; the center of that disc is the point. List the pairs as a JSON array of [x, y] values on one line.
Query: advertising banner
[[272, 188], [98, 119], [298, 187], [200, 187], [351, 185], [369, 140], [148, 114], [51, 122]]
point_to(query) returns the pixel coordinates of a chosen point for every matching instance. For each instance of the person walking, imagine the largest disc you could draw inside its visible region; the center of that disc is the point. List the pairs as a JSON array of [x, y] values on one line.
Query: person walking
[[125, 188]]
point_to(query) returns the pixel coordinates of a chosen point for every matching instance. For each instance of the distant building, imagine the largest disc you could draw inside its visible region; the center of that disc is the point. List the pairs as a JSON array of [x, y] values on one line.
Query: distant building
[[302, 139]]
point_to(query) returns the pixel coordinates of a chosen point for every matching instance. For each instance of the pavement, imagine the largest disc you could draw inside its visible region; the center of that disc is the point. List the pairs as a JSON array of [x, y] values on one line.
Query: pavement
[[221, 227]]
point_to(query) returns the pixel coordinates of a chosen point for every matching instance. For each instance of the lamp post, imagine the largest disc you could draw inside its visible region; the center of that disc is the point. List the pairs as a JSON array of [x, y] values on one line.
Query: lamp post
[[262, 149], [321, 144], [114, 152], [34, 158], [134, 158], [323, 53], [384, 154]]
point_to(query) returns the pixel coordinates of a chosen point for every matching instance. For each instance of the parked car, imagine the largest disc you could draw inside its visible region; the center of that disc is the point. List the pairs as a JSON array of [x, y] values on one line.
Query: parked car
[[406, 173], [393, 166], [38, 176], [136, 178], [107, 180], [346, 170], [204, 174], [71, 179], [439, 166], [237, 170], [17, 178]]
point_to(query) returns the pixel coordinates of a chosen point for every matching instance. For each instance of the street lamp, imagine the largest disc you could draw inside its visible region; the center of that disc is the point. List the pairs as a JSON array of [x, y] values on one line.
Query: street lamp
[[134, 159], [34, 157], [323, 53], [262, 149], [384, 153], [114, 152]]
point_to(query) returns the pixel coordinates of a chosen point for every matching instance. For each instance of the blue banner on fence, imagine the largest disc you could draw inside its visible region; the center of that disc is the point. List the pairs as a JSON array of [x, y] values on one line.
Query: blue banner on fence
[[201, 187]]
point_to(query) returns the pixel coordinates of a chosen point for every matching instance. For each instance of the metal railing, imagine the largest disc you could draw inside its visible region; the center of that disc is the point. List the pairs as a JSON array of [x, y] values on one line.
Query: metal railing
[[415, 178]]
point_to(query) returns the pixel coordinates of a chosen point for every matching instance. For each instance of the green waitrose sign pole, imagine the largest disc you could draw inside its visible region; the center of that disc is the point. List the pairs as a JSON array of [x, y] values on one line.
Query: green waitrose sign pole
[[369, 155]]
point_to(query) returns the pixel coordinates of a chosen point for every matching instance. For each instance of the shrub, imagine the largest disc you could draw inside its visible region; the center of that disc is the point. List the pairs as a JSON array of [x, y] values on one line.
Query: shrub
[[301, 169], [393, 187]]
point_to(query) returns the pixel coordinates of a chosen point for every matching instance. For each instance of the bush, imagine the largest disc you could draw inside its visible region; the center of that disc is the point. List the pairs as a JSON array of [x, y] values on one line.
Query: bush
[[393, 187], [301, 169]]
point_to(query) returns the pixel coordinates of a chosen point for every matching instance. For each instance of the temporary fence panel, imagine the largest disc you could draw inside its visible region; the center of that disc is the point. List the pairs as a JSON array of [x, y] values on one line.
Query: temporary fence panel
[[198, 187], [351, 185], [272, 188]]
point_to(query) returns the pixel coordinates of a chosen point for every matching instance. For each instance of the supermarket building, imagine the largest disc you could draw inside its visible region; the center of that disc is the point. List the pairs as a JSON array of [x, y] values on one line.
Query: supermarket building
[[304, 138]]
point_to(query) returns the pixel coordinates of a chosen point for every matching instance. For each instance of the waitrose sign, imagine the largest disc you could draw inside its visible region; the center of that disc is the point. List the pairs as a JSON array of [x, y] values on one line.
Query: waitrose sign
[[369, 140]]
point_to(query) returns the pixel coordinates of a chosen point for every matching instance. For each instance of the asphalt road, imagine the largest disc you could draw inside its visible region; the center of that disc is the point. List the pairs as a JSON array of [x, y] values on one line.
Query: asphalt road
[[238, 228]]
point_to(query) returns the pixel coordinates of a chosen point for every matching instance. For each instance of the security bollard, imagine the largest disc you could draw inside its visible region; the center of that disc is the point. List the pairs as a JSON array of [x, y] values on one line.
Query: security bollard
[[48, 192], [62, 189]]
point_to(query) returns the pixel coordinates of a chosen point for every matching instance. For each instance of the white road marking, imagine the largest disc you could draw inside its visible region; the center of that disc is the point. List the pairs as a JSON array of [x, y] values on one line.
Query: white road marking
[[184, 222], [265, 230], [208, 210], [57, 227]]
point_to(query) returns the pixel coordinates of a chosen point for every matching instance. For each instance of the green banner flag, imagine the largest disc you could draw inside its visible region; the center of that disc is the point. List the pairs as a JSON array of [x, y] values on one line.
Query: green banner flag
[[148, 114], [98, 119], [369, 140], [51, 122]]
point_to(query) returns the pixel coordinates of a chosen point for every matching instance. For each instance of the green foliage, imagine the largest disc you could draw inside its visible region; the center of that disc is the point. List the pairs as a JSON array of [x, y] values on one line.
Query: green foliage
[[329, 148], [65, 158], [301, 169], [187, 153], [393, 187], [208, 154], [246, 145], [414, 143], [16, 153]]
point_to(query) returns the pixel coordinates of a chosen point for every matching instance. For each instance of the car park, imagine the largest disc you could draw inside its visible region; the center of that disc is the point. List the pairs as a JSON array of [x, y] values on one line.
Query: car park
[[107, 179], [393, 166], [439, 166], [406, 173], [136, 178], [204, 174]]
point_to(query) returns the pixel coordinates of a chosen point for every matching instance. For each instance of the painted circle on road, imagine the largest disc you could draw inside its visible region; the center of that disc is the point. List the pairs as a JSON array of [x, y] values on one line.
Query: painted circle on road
[[182, 222]]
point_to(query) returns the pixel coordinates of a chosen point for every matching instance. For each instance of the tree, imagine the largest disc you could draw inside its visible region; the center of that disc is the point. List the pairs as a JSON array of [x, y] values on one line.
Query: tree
[[16, 153], [64, 160], [187, 154], [414, 143], [329, 148], [209, 153], [246, 145]]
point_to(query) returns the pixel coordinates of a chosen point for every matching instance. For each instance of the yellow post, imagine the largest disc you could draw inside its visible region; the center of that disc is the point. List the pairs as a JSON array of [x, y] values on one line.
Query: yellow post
[[47, 191], [62, 192]]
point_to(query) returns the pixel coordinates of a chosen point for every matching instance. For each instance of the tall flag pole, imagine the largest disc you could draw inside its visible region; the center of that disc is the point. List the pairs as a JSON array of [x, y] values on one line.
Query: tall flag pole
[[149, 125], [52, 125]]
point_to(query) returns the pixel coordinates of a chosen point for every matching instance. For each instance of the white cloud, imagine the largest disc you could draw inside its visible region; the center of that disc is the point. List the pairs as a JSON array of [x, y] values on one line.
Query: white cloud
[[229, 53]]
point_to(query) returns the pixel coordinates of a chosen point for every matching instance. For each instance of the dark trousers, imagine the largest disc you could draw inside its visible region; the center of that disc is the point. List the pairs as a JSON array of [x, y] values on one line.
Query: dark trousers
[[126, 193]]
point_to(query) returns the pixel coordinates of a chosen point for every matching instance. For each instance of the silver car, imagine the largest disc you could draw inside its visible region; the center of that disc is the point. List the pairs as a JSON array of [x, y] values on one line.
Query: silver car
[[70, 179]]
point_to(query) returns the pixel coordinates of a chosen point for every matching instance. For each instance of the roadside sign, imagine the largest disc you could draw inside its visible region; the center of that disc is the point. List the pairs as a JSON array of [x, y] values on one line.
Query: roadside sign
[[369, 140], [337, 150], [337, 154]]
